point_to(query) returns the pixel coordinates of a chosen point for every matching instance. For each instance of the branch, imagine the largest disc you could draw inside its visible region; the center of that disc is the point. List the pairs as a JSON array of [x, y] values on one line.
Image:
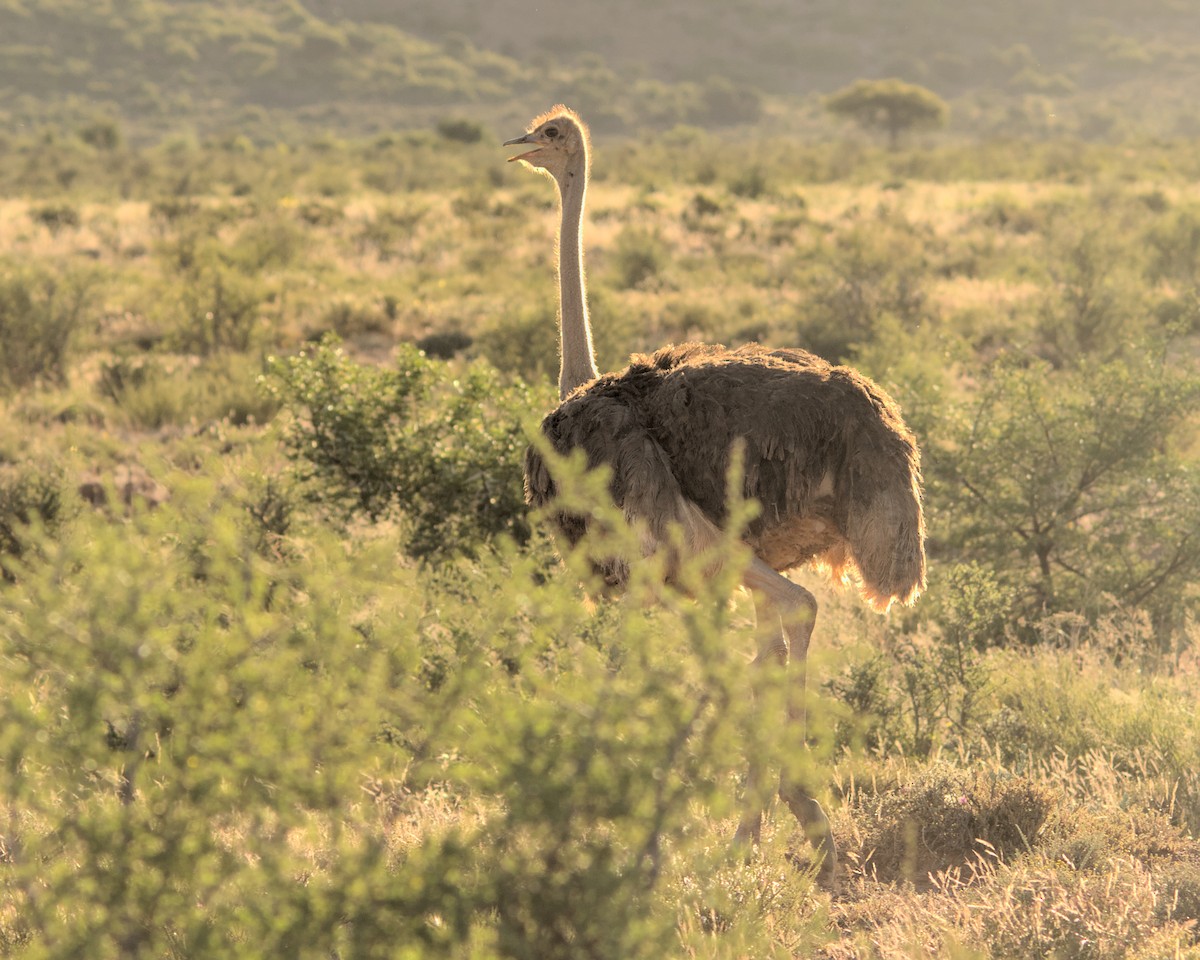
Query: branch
[[1153, 582]]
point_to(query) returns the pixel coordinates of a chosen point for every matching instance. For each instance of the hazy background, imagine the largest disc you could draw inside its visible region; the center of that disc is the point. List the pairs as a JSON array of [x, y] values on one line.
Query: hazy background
[[1098, 69]]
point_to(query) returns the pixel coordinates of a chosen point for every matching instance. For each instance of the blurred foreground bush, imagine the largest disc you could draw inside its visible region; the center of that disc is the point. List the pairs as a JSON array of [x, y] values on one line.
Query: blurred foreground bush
[[208, 750]]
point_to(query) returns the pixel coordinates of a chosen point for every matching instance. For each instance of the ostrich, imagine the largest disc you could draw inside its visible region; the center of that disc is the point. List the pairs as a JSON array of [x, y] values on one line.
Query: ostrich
[[824, 451]]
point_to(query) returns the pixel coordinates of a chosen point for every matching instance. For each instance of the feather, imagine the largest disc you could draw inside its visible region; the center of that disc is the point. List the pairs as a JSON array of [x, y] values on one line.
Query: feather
[[826, 455]]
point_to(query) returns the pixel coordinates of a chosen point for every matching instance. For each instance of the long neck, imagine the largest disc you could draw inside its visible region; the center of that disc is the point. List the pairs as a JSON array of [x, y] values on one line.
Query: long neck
[[578, 358]]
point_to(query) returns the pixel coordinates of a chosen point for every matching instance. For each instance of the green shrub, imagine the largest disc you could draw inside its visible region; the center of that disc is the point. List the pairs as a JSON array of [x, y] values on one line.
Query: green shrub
[[1067, 486], [214, 308], [1092, 308], [387, 231], [444, 344], [517, 344], [243, 755], [165, 746], [445, 451], [924, 691], [121, 375], [102, 133], [41, 313], [266, 243], [56, 216], [320, 213], [749, 183], [271, 508], [460, 131], [639, 257], [172, 209], [1174, 248], [154, 393], [347, 317], [869, 274], [29, 495]]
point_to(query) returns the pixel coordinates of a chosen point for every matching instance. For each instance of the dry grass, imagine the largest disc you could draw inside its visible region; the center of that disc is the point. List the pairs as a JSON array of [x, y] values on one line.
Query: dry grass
[[424, 262], [1058, 879], [1065, 836]]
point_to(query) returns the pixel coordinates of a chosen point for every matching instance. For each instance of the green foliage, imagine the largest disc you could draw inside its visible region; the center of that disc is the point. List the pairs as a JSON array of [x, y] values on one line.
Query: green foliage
[[30, 495], [467, 757], [1066, 485], [974, 611], [227, 751], [445, 451], [444, 344], [265, 243], [518, 341], [927, 689], [750, 183], [346, 318], [153, 393], [1090, 310], [184, 722], [639, 257], [41, 313], [214, 308], [892, 105], [1175, 248], [460, 131], [865, 277], [55, 216], [103, 134]]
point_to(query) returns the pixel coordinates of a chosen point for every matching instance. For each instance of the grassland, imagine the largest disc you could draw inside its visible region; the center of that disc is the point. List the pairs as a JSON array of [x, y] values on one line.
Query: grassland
[[288, 672]]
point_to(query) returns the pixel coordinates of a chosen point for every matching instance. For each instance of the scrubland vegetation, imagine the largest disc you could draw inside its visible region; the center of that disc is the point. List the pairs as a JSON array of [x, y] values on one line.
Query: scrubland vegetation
[[289, 671], [1101, 70]]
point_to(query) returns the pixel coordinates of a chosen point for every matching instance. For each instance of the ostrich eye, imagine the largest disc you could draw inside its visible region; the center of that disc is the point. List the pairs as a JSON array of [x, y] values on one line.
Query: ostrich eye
[[551, 132]]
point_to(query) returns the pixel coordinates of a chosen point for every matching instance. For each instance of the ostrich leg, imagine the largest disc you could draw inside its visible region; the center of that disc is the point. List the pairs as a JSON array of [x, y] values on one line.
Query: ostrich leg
[[772, 654], [787, 612]]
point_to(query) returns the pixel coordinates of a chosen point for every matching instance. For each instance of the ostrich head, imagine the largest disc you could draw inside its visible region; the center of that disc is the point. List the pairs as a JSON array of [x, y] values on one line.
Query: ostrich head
[[560, 144]]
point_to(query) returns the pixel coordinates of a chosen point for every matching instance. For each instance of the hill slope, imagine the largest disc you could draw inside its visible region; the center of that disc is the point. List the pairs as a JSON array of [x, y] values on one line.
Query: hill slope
[[1025, 67]]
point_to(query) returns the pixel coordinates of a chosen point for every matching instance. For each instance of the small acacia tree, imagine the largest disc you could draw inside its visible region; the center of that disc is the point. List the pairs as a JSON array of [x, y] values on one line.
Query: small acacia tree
[[1069, 486], [891, 105]]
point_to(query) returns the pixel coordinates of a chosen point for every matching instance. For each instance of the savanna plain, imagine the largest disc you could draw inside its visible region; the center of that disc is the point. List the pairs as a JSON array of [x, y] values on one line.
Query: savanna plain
[[288, 670]]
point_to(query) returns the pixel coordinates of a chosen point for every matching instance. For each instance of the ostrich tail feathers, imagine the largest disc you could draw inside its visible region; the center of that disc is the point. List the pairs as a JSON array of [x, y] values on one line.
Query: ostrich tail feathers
[[887, 539]]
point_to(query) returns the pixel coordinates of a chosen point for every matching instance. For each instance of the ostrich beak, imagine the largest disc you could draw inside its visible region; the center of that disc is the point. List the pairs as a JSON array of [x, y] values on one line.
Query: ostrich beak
[[527, 138]]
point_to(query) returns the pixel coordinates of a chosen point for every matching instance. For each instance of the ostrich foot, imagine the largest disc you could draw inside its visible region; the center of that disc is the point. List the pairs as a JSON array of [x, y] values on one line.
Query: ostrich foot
[[816, 827]]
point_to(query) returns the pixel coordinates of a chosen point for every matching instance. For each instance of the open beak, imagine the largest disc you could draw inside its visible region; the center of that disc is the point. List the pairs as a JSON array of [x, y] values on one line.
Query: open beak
[[527, 138]]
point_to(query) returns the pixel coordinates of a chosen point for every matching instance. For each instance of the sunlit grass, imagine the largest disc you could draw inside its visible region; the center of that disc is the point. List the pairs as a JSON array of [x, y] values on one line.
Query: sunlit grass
[[1038, 801]]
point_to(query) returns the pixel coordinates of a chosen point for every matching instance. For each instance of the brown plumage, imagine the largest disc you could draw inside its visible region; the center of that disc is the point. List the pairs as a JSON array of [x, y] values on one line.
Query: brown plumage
[[825, 453]]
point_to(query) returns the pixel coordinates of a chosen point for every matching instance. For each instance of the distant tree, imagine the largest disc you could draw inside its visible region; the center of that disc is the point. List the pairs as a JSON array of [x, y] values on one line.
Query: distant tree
[[460, 131], [891, 104]]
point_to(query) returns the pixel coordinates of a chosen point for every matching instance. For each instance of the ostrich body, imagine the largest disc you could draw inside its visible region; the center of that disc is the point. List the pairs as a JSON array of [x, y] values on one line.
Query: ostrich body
[[824, 452]]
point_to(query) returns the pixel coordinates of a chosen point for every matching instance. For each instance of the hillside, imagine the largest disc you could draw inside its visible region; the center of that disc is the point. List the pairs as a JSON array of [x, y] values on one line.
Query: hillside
[[1104, 70]]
